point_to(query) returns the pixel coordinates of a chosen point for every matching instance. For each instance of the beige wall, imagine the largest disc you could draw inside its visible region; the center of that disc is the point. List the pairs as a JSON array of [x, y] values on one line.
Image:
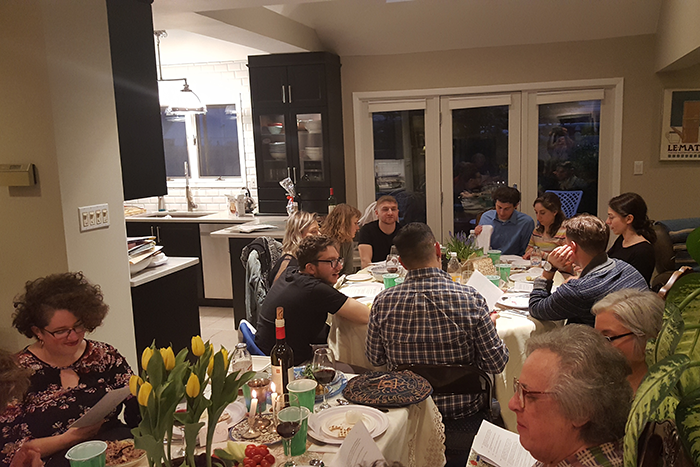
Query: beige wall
[[630, 58], [678, 35], [58, 112]]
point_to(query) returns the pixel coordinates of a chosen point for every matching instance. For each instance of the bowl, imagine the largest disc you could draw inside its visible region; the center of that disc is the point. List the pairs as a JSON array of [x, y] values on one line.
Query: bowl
[[140, 266], [313, 126], [278, 150], [378, 272], [275, 129], [314, 153]]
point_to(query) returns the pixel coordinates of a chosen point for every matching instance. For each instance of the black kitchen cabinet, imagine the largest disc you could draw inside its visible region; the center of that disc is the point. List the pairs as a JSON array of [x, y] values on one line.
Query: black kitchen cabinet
[[136, 98], [298, 128]]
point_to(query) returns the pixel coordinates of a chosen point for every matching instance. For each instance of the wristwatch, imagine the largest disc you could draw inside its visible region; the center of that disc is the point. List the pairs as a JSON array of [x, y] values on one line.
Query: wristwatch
[[549, 267]]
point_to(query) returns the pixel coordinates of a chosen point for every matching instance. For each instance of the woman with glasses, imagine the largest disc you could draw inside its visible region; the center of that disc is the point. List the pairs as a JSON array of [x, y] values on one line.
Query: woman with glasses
[[70, 374], [628, 319], [341, 225]]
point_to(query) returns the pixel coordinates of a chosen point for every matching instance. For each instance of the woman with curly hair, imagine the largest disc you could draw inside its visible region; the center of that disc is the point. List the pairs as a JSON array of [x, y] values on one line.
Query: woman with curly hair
[[341, 225], [69, 374], [549, 233], [300, 225]]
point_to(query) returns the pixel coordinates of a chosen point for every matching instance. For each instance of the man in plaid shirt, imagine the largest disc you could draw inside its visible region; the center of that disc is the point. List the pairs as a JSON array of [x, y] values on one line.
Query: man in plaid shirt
[[431, 320]]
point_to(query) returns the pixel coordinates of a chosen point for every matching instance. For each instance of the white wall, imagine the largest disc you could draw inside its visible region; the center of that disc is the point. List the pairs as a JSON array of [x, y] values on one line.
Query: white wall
[[678, 35]]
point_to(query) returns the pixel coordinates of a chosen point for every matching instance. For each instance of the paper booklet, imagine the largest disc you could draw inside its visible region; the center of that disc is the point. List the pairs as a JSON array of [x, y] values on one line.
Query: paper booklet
[[500, 447], [358, 448], [103, 407]]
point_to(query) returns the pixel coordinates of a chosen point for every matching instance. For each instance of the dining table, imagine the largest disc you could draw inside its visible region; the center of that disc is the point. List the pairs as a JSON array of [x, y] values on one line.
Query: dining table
[[514, 327]]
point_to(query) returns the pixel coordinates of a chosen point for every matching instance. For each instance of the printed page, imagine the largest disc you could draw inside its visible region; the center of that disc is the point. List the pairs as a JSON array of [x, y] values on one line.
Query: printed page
[[358, 448], [501, 447], [103, 407]]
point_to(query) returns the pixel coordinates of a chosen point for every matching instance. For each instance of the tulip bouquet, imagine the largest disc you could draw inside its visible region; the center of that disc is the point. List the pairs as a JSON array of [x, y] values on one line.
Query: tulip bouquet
[[165, 381]]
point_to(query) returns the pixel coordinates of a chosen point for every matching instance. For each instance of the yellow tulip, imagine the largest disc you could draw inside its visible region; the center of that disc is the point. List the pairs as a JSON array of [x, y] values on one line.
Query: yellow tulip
[[192, 388], [210, 368], [145, 357], [134, 383], [197, 346], [224, 352], [168, 358], [144, 392]]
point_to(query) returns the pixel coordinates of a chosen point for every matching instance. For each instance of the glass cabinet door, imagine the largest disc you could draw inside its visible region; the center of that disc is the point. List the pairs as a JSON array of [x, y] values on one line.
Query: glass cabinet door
[[273, 136], [312, 158]]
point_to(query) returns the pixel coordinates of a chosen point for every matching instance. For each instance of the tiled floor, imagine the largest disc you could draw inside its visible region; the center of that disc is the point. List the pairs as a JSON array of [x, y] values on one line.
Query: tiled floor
[[217, 327]]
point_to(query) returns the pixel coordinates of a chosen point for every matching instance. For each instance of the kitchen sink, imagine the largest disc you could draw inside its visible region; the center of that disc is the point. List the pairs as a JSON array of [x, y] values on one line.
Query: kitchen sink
[[176, 214]]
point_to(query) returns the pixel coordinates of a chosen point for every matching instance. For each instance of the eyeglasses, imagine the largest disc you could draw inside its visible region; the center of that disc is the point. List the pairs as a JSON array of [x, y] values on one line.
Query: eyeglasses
[[338, 262], [522, 392], [64, 333], [614, 338]]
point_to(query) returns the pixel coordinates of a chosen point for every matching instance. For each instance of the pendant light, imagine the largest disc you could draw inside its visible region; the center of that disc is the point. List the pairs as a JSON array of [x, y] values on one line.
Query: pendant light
[[181, 102]]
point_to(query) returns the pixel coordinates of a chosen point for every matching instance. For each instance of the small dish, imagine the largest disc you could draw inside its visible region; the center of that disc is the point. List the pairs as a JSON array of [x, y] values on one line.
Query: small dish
[[359, 277]]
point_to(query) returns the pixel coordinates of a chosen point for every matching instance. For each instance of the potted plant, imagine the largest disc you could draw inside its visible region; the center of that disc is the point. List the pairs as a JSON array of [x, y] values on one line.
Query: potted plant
[[165, 381], [671, 388]]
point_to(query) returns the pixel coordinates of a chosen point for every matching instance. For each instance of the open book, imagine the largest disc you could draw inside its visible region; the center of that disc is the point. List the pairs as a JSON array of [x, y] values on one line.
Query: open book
[[498, 447]]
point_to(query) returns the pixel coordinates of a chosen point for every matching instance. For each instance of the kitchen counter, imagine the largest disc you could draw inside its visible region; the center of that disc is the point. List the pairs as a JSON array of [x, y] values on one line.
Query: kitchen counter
[[234, 232], [220, 217], [150, 274]]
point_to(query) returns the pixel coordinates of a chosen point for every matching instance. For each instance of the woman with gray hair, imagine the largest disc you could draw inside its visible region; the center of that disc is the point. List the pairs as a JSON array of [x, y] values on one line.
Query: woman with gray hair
[[572, 398], [628, 319]]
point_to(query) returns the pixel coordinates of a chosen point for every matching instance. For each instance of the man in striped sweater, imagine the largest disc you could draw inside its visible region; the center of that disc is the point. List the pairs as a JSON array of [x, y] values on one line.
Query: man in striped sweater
[[586, 240]]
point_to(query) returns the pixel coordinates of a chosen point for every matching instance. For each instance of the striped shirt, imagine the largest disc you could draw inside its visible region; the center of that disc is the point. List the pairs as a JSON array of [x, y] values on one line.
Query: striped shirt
[[431, 320], [545, 242]]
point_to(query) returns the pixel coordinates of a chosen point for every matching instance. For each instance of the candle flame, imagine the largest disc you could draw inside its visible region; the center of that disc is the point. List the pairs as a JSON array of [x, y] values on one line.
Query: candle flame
[[255, 396], [272, 387]]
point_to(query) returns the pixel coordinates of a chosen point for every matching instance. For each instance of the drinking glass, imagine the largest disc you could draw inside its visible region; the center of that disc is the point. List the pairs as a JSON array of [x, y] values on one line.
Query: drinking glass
[[323, 367], [288, 416], [536, 257], [392, 261]]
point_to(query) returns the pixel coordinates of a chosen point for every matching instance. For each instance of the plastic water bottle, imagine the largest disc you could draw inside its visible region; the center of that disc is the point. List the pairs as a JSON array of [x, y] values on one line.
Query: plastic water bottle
[[242, 361], [453, 267]]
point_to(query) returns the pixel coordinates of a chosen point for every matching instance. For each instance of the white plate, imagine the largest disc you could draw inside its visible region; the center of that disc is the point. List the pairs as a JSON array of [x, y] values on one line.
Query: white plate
[[317, 421], [338, 419], [520, 301], [359, 277], [362, 290]]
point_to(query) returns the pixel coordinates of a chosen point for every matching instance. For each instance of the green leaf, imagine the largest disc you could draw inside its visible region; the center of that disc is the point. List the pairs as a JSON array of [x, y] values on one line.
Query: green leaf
[[667, 409], [156, 369], [688, 424], [693, 245], [225, 457], [670, 333], [181, 356], [655, 386]]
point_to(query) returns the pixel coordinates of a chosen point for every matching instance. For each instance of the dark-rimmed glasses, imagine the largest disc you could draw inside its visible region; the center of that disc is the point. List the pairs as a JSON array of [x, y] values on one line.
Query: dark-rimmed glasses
[[64, 333], [521, 392], [614, 338], [333, 262]]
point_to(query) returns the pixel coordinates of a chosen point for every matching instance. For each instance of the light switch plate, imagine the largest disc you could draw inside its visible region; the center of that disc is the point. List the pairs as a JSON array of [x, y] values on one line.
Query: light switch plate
[[638, 167], [93, 217]]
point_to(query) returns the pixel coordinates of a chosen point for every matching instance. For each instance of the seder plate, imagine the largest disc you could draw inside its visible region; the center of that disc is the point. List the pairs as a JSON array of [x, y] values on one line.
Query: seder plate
[[388, 389]]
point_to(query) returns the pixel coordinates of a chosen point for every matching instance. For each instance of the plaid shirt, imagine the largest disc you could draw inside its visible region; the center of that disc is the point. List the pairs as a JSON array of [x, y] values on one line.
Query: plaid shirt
[[605, 455], [431, 320]]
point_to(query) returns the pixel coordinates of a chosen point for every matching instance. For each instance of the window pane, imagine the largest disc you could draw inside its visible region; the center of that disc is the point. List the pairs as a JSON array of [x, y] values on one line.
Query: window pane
[[569, 139], [399, 161], [217, 133], [479, 161], [175, 143]]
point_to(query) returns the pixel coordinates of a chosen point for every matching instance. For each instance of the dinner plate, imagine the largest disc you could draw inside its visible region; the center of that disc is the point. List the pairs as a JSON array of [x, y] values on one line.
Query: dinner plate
[[359, 277], [363, 289], [332, 426], [521, 301], [317, 421]]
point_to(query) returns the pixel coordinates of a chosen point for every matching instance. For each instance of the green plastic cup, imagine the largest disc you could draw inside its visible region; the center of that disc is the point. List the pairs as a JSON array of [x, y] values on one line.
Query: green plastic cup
[[305, 390], [495, 280], [495, 256], [504, 271], [88, 454], [390, 280]]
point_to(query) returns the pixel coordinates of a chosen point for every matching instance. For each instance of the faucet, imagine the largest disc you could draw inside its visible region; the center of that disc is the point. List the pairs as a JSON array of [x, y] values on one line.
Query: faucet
[[191, 205]]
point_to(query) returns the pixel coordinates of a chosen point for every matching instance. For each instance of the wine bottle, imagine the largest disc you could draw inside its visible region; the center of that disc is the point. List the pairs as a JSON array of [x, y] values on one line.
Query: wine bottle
[[332, 203], [281, 356]]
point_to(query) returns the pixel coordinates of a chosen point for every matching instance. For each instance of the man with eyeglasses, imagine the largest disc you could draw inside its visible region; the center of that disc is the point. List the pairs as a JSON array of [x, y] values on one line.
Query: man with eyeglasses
[[375, 238], [572, 399], [307, 296]]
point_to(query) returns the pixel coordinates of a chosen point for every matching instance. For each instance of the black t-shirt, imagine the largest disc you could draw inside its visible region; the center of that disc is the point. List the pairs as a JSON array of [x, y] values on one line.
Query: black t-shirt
[[371, 234], [306, 302], [291, 262], [640, 256]]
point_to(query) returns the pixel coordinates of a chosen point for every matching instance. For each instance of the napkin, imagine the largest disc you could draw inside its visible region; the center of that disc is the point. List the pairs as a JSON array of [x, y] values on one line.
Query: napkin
[[486, 288], [483, 240]]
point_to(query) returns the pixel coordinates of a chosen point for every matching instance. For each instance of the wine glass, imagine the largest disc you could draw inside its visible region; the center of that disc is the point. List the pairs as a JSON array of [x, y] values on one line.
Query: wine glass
[[288, 422], [323, 367], [392, 260]]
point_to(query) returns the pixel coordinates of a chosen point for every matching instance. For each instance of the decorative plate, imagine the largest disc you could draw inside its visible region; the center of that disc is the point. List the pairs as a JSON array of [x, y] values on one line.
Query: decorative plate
[[268, 434], [392, 389], [337, 385]]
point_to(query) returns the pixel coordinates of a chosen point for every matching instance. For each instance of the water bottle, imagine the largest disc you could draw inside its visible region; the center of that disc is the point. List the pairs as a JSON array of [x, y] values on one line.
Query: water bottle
[[453, 267], [241, 361]]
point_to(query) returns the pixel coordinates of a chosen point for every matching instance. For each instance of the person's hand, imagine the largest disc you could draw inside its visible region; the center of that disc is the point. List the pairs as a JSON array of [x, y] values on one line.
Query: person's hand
[[77, 435], [478, 229], [561, 257], [27, 457], [493, 316]]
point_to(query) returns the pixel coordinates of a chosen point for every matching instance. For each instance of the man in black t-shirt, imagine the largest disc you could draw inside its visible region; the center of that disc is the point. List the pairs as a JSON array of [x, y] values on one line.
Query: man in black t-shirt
[[375, 238], [307, 296]]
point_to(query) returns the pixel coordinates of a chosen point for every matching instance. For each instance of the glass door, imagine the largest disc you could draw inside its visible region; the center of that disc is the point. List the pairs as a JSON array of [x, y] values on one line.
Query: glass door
[[273, 134], [312, 157]]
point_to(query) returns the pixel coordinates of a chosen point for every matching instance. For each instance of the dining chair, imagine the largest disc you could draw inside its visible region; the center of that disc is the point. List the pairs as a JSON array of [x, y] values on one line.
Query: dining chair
[[450, 379], [569, 201], [248, 332]]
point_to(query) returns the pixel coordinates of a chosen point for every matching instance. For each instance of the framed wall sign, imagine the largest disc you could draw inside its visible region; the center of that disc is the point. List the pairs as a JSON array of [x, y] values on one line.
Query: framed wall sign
[[680, 137]]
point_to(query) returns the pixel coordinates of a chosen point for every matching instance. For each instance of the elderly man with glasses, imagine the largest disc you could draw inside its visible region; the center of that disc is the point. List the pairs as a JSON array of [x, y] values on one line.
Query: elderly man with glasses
[[307, 296], [572, 399]]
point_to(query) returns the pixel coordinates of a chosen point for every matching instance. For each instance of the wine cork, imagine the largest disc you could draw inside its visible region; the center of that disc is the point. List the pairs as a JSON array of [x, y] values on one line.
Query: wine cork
[[280, 312]]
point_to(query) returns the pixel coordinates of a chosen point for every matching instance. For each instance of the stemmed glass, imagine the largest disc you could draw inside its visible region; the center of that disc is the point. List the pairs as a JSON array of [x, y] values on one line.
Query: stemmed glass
[[288, 417], [392, 260], [323, 367]]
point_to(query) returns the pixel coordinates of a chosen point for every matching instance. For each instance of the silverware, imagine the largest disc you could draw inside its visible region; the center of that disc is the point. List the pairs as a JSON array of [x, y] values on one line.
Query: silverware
[[342, 401]]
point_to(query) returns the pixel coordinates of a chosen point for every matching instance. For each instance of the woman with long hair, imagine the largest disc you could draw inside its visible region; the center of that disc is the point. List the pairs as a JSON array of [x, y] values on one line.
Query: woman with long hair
[[549, 232], [300, 225], [341, 225], [627, 218]]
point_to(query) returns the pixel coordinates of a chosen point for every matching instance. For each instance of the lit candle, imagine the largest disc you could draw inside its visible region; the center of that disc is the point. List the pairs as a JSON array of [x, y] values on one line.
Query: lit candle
[[253, 408], [273, 397]]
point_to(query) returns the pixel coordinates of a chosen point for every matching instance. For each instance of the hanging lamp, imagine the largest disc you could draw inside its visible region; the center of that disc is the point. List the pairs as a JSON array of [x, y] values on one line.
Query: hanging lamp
[[181, 102]]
